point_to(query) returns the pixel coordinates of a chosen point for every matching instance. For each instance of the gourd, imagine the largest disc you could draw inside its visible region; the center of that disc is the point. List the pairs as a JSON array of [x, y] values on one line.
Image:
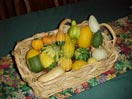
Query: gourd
[[91, 60], [33, 61], [65, 63], [78, 64], [99, 53], [85, 37], [60, 38], [74, 31], [52, 50], [81, 54], [47, 61], [60, 35], [93, 24], [55, 72], [37, 44], [68, 48], [97, 39], [49, 39]]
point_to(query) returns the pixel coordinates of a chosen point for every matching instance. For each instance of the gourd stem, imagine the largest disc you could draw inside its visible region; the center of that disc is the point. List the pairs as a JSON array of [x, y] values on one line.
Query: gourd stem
[[73, 23]]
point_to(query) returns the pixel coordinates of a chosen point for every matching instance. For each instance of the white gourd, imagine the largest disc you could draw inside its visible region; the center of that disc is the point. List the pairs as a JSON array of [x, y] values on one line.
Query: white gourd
[[93, 24], [99, 53]]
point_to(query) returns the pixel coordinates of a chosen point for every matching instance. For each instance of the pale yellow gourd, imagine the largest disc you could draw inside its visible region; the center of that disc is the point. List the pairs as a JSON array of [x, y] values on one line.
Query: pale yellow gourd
[[55, 72]]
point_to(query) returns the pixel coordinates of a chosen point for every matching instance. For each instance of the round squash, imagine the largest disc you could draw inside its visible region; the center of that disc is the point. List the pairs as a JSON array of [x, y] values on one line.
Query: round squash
[[37, 44]]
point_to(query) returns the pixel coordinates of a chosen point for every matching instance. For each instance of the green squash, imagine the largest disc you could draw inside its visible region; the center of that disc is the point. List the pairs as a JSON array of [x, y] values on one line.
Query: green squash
[[34, 64], [81, 54], [97, 39]]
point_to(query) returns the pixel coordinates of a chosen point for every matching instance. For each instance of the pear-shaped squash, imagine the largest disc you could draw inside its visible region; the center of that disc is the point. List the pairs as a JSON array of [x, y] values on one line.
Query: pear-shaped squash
[[68, 48]]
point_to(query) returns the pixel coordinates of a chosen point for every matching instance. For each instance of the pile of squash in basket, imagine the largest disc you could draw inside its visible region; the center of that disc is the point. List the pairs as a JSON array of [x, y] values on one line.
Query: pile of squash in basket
[[62, 52]]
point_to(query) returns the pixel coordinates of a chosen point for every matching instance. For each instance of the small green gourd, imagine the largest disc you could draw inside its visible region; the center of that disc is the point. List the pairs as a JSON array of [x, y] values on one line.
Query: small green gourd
[[97, 39], [34, 64], [74, 31]]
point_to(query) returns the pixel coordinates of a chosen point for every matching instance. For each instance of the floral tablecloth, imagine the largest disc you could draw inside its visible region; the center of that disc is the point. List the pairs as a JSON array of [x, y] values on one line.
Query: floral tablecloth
[[13, 87]]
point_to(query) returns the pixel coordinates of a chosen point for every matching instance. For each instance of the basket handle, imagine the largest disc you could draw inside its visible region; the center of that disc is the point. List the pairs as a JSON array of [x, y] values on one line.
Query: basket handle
[[111, 31], [63, 24]]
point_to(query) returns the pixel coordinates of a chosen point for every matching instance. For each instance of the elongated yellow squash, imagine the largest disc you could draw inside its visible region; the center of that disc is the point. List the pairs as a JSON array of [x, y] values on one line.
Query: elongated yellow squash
[[68, 48]]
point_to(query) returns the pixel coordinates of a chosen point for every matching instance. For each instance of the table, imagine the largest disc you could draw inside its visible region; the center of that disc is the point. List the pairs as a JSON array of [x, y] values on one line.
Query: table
[[21, 27]]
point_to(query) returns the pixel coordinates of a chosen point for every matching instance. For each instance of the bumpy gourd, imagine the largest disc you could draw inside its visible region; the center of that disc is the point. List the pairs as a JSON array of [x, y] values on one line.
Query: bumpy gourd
[[68, 48], [47, 61], [65, 63]]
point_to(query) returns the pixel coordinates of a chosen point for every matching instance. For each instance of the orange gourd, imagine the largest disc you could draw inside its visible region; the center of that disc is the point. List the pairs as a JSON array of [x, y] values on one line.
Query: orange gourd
[[37, 44], [49, 39]]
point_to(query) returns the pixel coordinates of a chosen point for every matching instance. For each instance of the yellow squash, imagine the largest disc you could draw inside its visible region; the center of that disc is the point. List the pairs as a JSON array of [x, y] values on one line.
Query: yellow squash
[[37, 44], [78, 64], [68, 48], [85, 37], [47, 61], [65, 63]]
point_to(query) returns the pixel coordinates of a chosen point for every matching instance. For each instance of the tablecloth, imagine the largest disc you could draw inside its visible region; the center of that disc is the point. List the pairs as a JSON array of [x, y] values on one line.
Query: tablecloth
[[13, 87]]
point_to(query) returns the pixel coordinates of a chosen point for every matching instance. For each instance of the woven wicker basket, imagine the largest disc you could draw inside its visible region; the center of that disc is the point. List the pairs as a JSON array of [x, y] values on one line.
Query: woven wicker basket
[[69, 79]]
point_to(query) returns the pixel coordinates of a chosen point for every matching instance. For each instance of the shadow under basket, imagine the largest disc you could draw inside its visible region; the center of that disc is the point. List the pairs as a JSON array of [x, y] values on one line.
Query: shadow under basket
[[70, 79]]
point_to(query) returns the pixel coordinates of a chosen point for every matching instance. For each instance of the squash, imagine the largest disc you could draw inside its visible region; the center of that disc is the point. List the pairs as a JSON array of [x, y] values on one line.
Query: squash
[[49, 39], [65, 63], [99, 53], [85, 37], [97, 39], [47, 61], [52, 50], [60, 35], [78, 64], [37, 44], [33, 61], [81, 54], [68, 48], [60, 38], [93, 24], [91, 60], [55, 72], [34, 64], [31, 53], [74, 30]]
